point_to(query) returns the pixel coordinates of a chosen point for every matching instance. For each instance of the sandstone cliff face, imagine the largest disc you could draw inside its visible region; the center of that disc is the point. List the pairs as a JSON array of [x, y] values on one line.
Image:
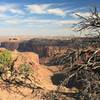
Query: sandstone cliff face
[[50, 47], [45, 48], [45, 52]]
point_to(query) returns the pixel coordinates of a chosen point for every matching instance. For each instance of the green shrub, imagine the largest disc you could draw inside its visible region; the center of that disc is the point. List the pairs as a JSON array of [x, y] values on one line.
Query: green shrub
[[5, 64], [10, 75], [5, 58], [25, 69]]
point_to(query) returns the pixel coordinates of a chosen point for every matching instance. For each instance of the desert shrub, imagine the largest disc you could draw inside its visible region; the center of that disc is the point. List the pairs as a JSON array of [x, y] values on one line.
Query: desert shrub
[[10, 76], [25, 69], [5, 64], [1, 68], [5, 57]]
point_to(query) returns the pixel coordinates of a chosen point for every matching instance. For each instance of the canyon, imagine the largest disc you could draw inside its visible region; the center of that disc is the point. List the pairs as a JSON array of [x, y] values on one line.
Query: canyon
[[47, 49], [50, 48]]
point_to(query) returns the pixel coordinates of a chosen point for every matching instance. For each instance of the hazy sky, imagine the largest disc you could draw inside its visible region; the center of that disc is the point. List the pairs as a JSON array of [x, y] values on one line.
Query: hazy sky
[[41, 17]]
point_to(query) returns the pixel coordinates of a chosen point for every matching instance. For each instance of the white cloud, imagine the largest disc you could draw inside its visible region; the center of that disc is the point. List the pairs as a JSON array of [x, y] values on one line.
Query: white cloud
[[29, 21], [16, 11], [15, 31], [39, 9], [68, 22], [13, 8], [33, 8], [49, 23], [45, 9], [3, 9], [37, 26], [56, 11], [14, 21]]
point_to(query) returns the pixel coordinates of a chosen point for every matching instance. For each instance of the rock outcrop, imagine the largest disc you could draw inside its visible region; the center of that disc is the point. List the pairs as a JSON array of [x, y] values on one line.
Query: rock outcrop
[[25, 57]]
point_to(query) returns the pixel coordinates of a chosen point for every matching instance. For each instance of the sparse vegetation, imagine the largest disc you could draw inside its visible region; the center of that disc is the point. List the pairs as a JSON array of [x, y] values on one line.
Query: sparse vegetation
[[10, 76], [5, 58], [25, 69]]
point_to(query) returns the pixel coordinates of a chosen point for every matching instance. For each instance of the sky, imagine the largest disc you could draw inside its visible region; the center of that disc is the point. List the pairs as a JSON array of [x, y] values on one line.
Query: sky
[[42, 17]]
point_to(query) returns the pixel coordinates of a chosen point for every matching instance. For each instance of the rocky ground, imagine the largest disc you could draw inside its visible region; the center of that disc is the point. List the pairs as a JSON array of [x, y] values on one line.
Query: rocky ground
[[41, 78]]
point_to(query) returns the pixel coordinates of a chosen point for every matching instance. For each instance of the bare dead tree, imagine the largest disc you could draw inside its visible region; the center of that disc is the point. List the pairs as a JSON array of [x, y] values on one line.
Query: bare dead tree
[[91, 22]]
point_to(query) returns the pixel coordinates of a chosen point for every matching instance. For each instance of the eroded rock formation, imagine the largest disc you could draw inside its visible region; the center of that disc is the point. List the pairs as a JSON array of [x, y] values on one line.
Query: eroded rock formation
[[47, 48], [11, 44]]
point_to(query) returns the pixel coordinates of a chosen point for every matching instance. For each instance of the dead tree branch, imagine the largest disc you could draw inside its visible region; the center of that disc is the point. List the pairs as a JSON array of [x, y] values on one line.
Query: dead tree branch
[[91, 22]]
